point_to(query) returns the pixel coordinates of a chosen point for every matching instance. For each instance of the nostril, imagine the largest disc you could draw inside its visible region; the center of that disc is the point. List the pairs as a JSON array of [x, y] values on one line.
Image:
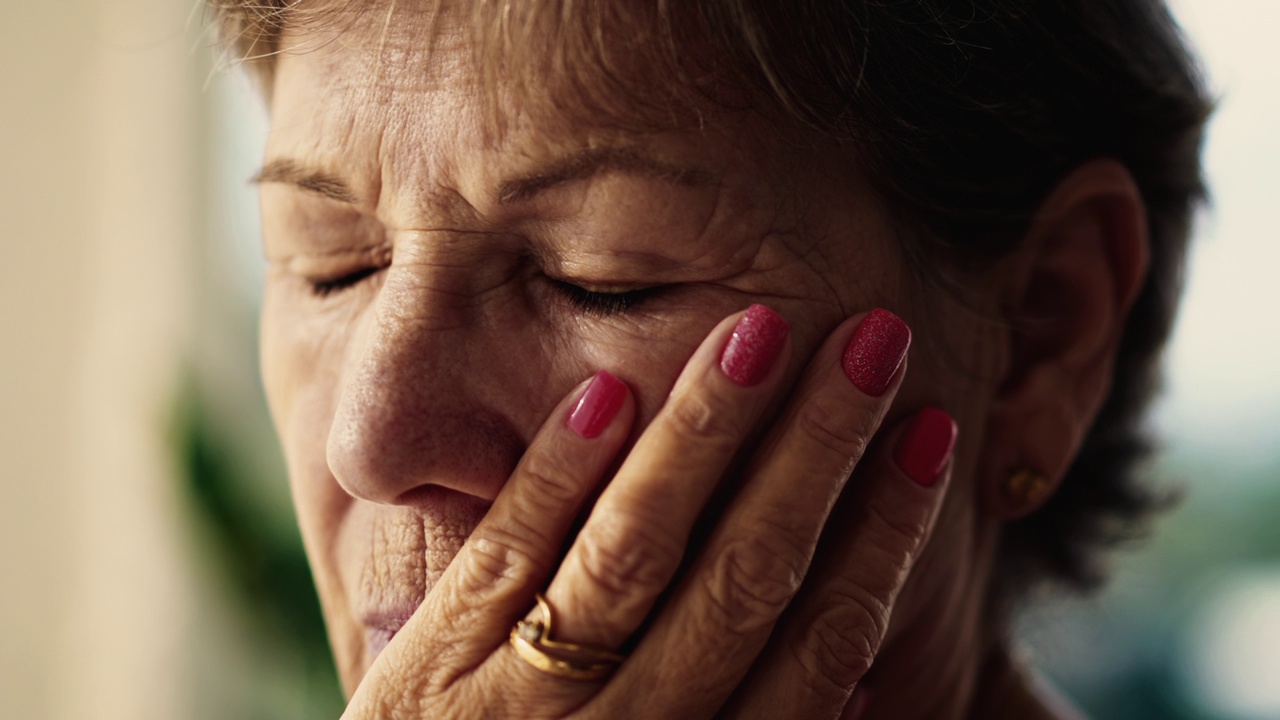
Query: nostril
[[429, 494]]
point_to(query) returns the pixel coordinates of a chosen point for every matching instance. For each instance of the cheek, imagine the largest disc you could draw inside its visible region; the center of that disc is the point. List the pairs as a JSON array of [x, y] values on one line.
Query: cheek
[[301, 375], [648, 351], [299, 354], [648, 357], [955, 364], [300, 381]]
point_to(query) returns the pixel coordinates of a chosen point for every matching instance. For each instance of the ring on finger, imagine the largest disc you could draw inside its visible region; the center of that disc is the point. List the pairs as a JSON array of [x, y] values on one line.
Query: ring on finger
[[533, 644]]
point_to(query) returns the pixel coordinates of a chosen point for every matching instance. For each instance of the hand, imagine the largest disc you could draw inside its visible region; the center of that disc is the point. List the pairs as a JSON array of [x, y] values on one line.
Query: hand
[[452, 659]]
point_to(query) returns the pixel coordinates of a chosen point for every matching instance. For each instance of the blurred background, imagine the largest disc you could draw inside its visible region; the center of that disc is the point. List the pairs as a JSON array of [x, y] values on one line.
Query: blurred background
[[151, 567]]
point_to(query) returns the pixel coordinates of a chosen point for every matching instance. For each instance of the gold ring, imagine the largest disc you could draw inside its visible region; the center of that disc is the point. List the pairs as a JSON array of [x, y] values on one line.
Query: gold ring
[[533, 644]]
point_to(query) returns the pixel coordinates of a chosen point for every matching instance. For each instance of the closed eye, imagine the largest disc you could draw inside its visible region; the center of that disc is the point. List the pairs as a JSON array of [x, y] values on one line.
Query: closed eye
[[325, 288], [602, 304]]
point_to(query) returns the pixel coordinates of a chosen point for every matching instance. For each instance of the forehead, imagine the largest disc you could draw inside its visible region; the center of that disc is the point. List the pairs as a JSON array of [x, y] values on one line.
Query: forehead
[[376, 50], [642, 63], [395, 99], [546, 61], [352, 94]]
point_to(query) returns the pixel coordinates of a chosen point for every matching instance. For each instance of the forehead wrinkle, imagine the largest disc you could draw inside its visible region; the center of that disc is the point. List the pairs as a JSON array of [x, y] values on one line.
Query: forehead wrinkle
[[595, 161], [422, 190], [393, 71]]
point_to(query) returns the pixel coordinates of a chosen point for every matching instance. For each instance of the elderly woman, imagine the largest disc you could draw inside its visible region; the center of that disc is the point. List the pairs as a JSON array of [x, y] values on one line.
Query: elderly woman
[[732, 358]]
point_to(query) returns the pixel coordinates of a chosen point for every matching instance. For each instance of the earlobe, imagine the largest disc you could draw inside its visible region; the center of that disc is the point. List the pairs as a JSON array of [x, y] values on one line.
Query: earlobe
[[1067, 298], [1038, 418]]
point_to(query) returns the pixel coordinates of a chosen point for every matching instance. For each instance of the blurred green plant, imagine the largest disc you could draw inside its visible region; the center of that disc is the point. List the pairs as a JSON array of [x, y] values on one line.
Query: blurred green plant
[[257, 555]]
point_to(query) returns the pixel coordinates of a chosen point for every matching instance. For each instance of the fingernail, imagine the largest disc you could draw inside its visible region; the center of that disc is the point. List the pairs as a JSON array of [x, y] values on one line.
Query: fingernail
[[598, 405], [755, 346], [926, 446], [876, 351]]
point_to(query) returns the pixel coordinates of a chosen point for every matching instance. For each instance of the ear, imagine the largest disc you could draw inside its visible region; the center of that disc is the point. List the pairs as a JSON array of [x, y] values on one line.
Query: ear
[[1067, 296]]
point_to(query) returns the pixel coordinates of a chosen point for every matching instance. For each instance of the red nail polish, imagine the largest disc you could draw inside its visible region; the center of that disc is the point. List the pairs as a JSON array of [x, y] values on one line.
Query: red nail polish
[[926, 446], [755, 346], [598, 405], [876, 351]]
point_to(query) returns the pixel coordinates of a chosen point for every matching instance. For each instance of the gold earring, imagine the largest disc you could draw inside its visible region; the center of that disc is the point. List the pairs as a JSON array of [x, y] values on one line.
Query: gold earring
[[1025, 488]]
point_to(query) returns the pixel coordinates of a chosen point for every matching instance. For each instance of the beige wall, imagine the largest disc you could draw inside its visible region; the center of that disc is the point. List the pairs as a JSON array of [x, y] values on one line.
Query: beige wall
[[96, 101]]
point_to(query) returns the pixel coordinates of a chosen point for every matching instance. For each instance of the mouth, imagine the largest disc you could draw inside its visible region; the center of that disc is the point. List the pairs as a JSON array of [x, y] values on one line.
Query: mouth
[[399, 554], [381, 627]]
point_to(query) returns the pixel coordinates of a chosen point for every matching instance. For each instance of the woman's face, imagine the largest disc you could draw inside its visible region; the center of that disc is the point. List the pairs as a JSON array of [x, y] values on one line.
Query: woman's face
[[436, 287]]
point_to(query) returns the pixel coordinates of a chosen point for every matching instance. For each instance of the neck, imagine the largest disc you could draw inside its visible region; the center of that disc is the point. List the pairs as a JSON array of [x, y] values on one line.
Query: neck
[[933, 670], [967, 675], [933, 662]]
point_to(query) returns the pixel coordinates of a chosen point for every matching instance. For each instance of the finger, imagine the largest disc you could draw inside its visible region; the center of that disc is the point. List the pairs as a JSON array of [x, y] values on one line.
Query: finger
[[833, 633], [758, 554], [635, 538], [510, 554]]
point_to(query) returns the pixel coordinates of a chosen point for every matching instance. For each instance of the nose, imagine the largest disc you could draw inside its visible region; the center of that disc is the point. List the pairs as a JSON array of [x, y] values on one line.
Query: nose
[[421, 404]]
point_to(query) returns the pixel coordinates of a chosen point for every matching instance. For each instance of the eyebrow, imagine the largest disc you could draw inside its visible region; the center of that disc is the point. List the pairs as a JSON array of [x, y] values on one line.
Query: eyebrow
[[575, 168], [316, 181]]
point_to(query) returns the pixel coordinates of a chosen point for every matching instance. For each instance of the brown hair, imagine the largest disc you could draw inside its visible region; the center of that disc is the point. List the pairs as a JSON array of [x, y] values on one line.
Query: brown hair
[[964, 114]]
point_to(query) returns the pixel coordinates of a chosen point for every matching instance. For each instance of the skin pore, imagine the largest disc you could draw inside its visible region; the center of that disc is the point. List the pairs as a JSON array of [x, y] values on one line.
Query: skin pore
[[436, 288]]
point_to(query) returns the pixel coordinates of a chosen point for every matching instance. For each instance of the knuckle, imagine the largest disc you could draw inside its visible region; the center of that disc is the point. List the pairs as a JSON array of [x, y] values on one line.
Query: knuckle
[[841, 428], [840, 644], [887, 555], [752, 580], [901, 530], [624, 557], [498, 553], [551, 479], [707, 418]]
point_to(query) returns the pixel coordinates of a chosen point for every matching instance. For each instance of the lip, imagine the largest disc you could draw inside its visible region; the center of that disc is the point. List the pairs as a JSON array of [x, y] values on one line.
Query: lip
[[391, 557], [382, 625]]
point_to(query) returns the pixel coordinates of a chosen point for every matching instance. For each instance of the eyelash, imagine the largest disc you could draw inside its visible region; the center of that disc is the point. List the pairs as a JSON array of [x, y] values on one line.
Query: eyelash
[[601, 304], [325, 288], [590, 302]]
